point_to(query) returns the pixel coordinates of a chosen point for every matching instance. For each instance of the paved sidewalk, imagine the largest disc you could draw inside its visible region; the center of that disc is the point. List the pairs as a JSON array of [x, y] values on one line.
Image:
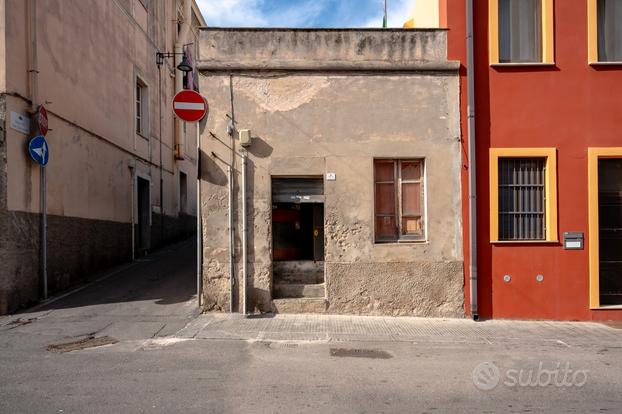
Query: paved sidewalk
[[373, 328]]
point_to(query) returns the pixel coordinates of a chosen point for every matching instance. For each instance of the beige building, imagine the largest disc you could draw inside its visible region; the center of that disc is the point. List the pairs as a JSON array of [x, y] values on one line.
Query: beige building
[[117, 155], [330, 172]]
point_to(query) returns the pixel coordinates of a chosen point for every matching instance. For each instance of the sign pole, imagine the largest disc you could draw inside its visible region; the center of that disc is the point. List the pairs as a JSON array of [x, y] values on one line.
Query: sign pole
[[44, 231]]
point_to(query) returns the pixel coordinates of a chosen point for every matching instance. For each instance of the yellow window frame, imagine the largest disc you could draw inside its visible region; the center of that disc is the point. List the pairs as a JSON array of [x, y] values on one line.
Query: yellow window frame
[[594, 154], [548, 33], [550, 189]]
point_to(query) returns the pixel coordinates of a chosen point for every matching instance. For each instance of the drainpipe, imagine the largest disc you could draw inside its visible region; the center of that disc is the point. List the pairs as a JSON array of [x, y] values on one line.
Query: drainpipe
[[231, 240], [179, 84], [33, 80], [472, 165], [244, 234]]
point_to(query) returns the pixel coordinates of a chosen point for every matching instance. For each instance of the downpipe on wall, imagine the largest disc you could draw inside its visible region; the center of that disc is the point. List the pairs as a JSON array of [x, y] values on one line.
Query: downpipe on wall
[[33, 78], [244, 234], [179, 84], [472, 164]]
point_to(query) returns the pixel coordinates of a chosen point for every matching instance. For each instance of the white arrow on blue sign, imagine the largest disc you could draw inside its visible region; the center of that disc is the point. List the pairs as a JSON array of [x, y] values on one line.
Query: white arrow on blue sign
[[38, 149]]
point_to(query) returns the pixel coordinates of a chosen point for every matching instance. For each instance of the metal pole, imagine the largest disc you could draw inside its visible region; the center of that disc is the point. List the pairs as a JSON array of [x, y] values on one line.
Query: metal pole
[[44, 235], [133, 218], [231, 240], [384, 20], [199, 226], [244, 236], [472, 165]]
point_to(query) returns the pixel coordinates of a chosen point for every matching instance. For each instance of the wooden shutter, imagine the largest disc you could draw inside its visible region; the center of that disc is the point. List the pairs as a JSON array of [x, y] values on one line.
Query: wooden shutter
[[411, 198], [385, 200]]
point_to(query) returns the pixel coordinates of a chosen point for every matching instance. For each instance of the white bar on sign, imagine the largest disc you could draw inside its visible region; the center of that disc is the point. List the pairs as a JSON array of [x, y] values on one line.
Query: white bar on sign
[[189, 105], [573, 244]]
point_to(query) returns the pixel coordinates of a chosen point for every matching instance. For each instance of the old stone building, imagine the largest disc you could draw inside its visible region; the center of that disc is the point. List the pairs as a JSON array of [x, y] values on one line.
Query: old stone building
[[346, 146], [117, 155]]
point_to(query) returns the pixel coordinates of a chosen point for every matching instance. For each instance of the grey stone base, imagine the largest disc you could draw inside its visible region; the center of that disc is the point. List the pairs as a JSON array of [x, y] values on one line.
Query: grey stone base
[[396, 288], [422, 288]]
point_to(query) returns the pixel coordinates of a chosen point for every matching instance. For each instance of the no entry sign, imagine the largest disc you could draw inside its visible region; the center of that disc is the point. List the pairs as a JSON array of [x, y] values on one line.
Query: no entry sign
[[42, 120], [189, 106]]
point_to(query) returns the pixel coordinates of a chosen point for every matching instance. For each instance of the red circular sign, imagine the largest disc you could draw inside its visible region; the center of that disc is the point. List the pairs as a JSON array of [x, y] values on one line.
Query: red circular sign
[[189, 106], [42, 120]]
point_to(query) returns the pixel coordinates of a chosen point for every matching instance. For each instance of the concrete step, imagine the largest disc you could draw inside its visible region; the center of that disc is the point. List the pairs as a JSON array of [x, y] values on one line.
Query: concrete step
[[297, 266], [299, 290], [300, 305], [305, 278]]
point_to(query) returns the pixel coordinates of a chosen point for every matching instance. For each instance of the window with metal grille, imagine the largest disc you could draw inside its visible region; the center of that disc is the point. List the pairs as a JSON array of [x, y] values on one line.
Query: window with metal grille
[[522, 199], [399, 200]]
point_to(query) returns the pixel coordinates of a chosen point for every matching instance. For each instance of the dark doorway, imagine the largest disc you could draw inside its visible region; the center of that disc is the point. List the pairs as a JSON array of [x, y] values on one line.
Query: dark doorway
[[610, 230], [298, 237], [143, 231], [298, 231]]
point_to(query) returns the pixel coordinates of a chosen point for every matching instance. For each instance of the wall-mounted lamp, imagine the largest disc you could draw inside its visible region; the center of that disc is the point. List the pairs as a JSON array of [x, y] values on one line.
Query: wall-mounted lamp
[[184, 66]]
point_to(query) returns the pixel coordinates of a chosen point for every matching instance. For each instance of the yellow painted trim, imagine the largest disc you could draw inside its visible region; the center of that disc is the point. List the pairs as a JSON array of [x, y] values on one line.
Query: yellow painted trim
[[493, 31], [592, 31], [550, 186], [548, 31], [594, 154]]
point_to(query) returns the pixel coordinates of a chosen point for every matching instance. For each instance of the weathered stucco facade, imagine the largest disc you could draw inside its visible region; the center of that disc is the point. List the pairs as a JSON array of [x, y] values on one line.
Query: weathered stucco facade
[[88, 57], [321, 102]]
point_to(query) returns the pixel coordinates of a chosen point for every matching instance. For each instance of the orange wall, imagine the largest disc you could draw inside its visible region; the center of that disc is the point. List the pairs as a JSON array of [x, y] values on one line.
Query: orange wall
[[570, 106]]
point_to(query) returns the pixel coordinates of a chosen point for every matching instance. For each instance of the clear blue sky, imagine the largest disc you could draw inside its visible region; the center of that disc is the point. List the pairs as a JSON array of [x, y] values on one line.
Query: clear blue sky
[[303, 13]]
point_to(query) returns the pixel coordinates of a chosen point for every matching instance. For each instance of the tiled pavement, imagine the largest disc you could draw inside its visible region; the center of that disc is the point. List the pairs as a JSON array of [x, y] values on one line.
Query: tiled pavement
[[373, 328]]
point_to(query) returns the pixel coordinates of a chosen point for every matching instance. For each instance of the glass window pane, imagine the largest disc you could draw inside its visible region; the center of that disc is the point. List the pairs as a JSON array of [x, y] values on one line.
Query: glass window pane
[[411, 199], [384, 170], [411, 170], [385, 199], [411, 225], [520, 31], [609, 30]]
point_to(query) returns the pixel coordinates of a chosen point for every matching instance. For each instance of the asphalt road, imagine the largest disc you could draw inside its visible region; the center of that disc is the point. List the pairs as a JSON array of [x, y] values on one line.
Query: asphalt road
[[157, 367]]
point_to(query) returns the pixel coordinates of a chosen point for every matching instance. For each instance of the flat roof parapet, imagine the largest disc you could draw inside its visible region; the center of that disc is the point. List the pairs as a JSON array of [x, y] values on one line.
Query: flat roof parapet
[[241, 49]]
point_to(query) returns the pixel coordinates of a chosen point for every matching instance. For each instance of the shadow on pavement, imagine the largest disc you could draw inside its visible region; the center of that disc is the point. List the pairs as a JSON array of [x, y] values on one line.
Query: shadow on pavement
[[166, 277]]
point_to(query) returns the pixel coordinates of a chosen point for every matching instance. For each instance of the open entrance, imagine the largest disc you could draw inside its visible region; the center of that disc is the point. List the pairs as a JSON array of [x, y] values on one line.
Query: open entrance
[[610, 230], [143, 231], [298, 237]]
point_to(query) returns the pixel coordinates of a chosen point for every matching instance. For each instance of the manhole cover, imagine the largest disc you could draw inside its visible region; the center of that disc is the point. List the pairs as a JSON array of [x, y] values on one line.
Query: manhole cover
[[360, 353], [89, 342]]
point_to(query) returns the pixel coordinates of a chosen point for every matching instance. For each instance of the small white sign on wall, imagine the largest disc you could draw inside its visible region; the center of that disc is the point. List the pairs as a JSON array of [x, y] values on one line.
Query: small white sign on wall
[[331, 176], [20, 122]]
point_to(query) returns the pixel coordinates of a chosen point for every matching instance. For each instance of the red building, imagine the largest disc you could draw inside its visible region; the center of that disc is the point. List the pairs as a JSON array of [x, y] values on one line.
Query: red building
[[548, 136]]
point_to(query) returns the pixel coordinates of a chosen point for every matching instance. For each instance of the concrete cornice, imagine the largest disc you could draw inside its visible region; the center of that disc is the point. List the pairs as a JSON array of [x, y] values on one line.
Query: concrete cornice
[[328, 66]]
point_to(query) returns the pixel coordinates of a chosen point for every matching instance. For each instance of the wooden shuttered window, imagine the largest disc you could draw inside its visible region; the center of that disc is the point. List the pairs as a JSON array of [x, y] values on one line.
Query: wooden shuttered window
[[399, 200]]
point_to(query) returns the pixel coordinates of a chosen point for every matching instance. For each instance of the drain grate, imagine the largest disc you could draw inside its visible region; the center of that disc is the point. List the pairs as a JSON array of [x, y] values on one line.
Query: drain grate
[[360, 353], [88, 342]]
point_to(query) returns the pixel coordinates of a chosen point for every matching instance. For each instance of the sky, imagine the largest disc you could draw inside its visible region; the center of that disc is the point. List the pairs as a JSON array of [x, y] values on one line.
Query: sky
[[304, 13]]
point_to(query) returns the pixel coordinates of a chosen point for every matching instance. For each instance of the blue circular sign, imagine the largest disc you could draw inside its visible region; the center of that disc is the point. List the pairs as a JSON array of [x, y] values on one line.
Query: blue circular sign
[[38, 150]]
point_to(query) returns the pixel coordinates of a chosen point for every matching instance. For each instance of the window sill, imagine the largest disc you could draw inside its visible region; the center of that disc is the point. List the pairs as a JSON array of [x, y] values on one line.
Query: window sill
[[521, 64], [616, 63], [138, 134], [524, 242], [607, 307], [400, 242]]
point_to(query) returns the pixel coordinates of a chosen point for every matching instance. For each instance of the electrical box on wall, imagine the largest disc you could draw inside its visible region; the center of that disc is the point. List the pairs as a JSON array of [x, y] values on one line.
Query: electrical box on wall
[[245, 137], [573, 241]]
